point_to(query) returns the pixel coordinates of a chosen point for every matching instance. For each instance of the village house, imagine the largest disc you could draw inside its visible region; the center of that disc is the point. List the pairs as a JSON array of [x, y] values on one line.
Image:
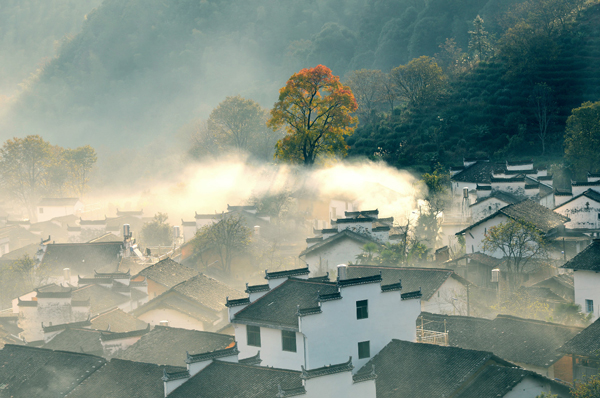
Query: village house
[[475, 267], [342, 243], [166, 345], [113, 289], [81, 258], [583, 350], [425, 370], [165, 274], [197, 303], [116, 320], [299, 322], [532, 344], [442, 290], [49, 208], [583, 212], [562, 285], [489, 204], [586, 278]]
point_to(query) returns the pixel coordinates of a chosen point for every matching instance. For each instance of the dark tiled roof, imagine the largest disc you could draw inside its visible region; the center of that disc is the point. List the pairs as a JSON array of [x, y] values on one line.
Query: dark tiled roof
[[346, 233], [590, 194], [225, 379], [500, 195], [364, 213], [584, 183], [327, 370], [123, 379], [286, 273], [586, 343], [118, 321], [255, 360], [77, 340], [231, 350], [479, 172], [82, 258], [424, 370], [257, 288], [58, 201], [515, 339], [428, 280], [175, 301], [280, 305], [168, 272], [168, 346], [37, 372], [587, 260], [101, 298], [207, 291], [561, 285], [70, 325], [107, 237], [108, 336], [527, 210]]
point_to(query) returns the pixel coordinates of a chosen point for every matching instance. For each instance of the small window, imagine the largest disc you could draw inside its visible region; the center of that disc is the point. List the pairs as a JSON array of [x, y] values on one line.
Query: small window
[[288, 341], [472, 249], [253, 335], [362, 309], [589, 305], [364, 349], [41, 210]]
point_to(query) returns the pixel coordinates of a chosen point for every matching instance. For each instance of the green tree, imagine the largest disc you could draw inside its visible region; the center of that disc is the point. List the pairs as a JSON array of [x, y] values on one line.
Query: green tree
[[366, 87], [315, 109], [582, 138], [157, 232], [420, 82], [588, 388], [437, 198], [225, 239], [80, 162], [543, 107], [518, 242], [479, 41], [451, 58], [24, 169]]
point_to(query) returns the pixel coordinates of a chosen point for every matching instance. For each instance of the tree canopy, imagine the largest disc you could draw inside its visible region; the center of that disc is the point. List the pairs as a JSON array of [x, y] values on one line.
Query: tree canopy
[[582, 138], [157, 232], [420, 82], [315, 109]]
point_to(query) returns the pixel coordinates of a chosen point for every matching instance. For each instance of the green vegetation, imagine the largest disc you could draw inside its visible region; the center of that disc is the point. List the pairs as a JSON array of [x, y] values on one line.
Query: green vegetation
[[157, 232]]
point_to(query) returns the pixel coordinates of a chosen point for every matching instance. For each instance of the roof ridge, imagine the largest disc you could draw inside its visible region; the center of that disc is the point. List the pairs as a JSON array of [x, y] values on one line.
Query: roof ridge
[[227, 363], [536, 321]]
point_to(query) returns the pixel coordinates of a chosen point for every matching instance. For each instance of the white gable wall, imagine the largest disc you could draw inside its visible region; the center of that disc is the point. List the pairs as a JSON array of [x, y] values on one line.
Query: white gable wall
[[271, 351], [474, 237], [46, 213], [529, 387], [327, 259], [449, 299], [587, 287], [583, 212], [484, 209], [339, 385]]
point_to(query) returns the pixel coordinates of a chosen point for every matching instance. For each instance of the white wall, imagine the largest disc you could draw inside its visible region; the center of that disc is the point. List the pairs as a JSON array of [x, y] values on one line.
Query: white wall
[[50, 212], [587, 287], [548, 201], [4, 246], [560, 199], [516, 188], [581, 216], [474, 236], [271, 352], [481, 210], [577, 190], [342, 252], [529, 387], [333, 335], [176, 319], [339, 385], [443, 300]]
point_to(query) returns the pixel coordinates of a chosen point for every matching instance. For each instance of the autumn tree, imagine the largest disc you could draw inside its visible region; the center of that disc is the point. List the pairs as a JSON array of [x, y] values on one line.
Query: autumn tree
[[366, 87], [587, 388], [80, 162], [24, 169], [224, 240], [157, 232], [582, 138], [316, 110], [542, 105], [518, 242], [479, 41], [420, 82]]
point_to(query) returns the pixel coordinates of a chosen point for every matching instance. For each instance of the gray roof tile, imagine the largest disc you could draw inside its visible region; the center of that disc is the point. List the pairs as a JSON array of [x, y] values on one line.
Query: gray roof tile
[[168, 272]]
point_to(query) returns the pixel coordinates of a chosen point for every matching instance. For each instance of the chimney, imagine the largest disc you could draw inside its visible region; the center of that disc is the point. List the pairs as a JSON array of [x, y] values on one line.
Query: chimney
[[126, 231], [67, 274], [257, 230], [342, 270], [164, 323]]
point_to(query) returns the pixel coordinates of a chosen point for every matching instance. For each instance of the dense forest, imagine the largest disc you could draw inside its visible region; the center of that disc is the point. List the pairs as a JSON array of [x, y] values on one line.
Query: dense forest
[[139, 70]]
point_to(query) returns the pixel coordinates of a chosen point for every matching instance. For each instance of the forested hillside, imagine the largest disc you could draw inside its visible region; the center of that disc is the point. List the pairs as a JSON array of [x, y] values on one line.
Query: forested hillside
[[141, 68]]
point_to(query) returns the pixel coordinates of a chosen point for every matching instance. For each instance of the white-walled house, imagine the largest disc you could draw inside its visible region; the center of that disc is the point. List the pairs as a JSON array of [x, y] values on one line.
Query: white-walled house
[[586, 278], [583, 211], [311, 323], [49, 208], [542, 218], [489, 204]]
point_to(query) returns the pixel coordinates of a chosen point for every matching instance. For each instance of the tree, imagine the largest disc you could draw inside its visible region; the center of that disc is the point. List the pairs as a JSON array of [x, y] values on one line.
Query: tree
[[24, 169], [451, 58], [479, 41], [420, 82], [226, 239], [80, 162], [315, 109], [588, 388], [519, 242], [365, 85], [157, 232], [436, 198], [543, 107], [582, 138], [388, 92]]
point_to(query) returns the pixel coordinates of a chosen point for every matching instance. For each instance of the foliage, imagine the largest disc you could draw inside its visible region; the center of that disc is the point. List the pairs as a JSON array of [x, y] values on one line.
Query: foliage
[[543, 108], [570, 314], [316, 110], [521, 304], [225, 239], [366, 85], [420, 82], [436, 200], [547, 395], [157, 232], [588, 388], [479, 42], [518, 242], [25, 267], [582, 138]]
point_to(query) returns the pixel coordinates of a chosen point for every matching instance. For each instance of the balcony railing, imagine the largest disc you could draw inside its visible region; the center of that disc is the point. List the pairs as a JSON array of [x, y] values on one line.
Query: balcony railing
[[432, 337]]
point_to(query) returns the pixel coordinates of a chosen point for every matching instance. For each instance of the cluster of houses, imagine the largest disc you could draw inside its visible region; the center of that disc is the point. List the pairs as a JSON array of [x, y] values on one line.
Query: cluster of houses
[[111, 322]]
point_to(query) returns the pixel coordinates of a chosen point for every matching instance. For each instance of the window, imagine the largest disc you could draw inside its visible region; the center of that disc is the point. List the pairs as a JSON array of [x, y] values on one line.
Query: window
[[589, 305], [362, 309], [253, 335], [364, 349], [288, 341]]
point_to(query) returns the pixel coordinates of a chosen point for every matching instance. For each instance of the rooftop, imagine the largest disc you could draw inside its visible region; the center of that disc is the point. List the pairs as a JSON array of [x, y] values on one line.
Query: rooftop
[[168, 346], [168, 273], [207, 291], [586, 343], [344, 234], [480, 172], [58, 201], [101, 298], [586, 260], [82, 258], [77, 340], [117, 320]]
